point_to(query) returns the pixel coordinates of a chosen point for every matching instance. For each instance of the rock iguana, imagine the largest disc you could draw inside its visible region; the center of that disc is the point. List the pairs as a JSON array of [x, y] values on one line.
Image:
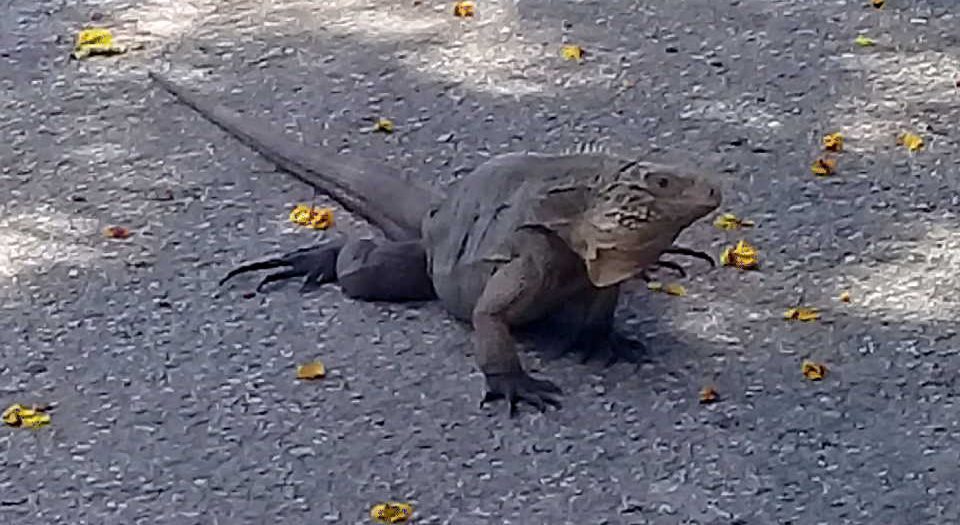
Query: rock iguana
[[523, 238]]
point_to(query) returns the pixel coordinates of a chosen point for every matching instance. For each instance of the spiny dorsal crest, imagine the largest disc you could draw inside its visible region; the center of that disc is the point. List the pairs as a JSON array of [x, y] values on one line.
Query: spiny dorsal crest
[[590, 146]]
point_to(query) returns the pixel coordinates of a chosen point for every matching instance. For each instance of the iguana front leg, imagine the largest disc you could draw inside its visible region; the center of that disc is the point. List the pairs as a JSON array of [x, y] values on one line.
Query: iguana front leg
[[585, 325], [514, 288]]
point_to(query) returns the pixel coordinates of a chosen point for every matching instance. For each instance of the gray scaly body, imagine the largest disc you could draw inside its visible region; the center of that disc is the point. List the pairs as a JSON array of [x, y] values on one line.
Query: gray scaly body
[[524, 238]]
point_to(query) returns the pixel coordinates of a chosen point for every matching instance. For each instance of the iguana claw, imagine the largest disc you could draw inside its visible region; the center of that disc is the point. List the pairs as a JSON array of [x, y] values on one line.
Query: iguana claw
[[673, 266], [679, 250], [645, 275], [519, 386], [316, 263]]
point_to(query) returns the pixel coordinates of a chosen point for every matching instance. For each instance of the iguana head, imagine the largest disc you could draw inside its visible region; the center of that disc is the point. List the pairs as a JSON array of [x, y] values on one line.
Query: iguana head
[[636, 214]]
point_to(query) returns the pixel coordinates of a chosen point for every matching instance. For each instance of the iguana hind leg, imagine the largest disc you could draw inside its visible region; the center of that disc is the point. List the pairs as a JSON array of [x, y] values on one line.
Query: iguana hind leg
[[373, 270], [366, 269]]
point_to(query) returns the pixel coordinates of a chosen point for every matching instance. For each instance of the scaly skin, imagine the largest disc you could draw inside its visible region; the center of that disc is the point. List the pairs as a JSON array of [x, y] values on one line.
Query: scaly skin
[[525, 238]]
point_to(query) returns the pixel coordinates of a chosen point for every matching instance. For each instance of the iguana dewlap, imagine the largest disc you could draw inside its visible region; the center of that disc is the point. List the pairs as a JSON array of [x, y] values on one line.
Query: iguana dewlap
[[523, 238]]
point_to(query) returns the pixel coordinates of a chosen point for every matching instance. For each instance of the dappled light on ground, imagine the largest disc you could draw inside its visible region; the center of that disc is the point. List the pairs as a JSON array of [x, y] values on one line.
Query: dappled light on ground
[[44, 237], [435, 44], [894, 84], [911, 286], [167, 19]]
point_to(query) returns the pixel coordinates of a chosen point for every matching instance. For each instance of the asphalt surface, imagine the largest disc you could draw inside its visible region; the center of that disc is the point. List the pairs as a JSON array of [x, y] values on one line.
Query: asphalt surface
[[175, 401]]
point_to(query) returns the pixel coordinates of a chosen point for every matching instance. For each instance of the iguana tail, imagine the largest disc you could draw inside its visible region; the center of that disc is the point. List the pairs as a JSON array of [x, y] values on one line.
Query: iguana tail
[[376, 192]]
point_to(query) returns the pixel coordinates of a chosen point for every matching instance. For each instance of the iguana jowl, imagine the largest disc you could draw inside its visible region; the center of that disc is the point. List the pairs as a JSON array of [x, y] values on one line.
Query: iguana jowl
[[524, 238]]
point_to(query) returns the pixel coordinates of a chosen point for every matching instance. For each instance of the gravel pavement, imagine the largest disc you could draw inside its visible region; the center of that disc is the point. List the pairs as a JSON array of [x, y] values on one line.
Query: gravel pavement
[[175, 401]]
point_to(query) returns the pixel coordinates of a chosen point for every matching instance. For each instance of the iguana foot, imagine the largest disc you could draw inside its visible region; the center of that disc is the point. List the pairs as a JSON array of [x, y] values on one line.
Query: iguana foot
[[519, 386], [317, 263], [622, 348], [613, 346]]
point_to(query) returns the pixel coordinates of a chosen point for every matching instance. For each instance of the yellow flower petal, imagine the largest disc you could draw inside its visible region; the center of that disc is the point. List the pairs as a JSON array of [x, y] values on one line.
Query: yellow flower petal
[[571, 52], [802, 314], [813, 371], [116, 232], [464, 9], [729, 221], [823, 167], [95, 41], [316, 218], [11, 416], [671, 289], [384, 125], [311, 370], [391, 512], [21, 416], [708, 395], [675, 289], [833, 142], [743, 256], [912, 141]]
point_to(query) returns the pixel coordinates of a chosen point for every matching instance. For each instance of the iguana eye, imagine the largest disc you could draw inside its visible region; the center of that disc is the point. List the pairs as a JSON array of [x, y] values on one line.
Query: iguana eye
[[663, 183]]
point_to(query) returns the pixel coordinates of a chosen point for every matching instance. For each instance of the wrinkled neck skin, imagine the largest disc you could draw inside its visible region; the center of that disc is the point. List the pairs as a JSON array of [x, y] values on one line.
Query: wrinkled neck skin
[[613, 257]]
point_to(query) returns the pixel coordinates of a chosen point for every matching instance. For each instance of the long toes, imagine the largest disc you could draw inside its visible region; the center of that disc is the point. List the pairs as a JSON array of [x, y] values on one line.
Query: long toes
[[253, 267], [673, 266], [612, 349], [692, 253], [626, 349], [490, 396], [279, 276], [309, 285], [521, 388], [534, 401], [546, 386], [539, 393], [555, 403], [514, 401]]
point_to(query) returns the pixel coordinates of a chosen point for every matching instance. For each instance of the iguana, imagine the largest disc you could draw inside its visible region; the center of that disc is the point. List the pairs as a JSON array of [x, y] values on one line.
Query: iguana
[[524, 238]]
